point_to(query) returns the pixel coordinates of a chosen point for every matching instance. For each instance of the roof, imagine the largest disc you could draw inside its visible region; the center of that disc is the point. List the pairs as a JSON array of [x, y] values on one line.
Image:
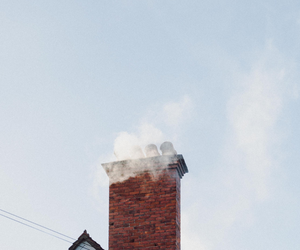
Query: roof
[[85, 242]]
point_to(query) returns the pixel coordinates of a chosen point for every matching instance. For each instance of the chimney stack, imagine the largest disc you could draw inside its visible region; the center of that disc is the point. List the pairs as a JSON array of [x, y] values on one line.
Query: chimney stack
[[144, 200]]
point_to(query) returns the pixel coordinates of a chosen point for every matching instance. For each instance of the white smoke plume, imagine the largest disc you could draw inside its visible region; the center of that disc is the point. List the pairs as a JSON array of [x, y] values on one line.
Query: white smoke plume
[[250, 157], [253, 114], [130, 145], [125, 145]]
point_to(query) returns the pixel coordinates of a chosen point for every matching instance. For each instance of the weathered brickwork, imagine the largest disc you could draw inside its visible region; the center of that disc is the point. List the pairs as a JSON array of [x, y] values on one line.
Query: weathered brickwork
[[144, 212]]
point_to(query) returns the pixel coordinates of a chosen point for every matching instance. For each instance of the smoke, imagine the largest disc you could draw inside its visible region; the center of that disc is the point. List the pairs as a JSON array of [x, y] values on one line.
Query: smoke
[[250, 156], [161, 123], [169, 116], [154, 166], [127, 144], [253, 114]]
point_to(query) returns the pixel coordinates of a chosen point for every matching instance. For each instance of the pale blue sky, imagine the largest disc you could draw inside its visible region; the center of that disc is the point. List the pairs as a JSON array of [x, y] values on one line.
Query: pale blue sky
[[217, 78]]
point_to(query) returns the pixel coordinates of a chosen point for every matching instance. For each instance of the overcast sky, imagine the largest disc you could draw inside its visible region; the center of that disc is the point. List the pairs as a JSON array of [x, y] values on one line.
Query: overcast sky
[[220, 79]]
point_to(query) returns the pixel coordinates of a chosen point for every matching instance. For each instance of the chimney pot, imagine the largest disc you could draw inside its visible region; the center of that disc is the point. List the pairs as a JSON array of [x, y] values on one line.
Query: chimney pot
[[137, 153], [167, 148], [151, 150]]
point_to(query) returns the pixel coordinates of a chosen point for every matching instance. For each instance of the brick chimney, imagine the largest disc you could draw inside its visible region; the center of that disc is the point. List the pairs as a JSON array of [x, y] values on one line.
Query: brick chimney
[[144, 200]]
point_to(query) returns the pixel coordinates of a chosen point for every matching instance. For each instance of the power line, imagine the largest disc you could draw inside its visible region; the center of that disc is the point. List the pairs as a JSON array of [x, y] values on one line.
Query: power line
[[36, 224], [34, 228], [19, 217]]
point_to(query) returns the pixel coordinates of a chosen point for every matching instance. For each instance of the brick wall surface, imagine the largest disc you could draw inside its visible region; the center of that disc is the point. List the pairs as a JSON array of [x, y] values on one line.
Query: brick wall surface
[[144, 213]]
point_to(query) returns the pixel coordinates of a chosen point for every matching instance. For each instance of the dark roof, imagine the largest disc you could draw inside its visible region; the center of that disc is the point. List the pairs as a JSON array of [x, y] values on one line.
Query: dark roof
[[85, 237]]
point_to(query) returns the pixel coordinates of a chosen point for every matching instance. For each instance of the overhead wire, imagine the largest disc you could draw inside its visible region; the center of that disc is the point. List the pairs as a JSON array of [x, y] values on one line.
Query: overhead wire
[[36, 224], [34, 228]]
